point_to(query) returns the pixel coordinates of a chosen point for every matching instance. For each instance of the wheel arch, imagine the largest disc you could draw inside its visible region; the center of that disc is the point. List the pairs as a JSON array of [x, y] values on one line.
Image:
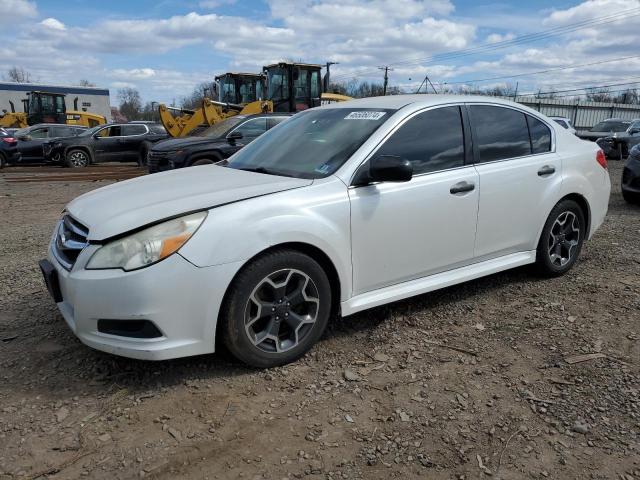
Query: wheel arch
[[199, 155], [581, 201], [310, 250], [79, 147]]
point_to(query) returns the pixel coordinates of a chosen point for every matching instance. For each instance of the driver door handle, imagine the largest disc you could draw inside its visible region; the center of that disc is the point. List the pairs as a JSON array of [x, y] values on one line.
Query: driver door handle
[[546, 170], [462, 187]]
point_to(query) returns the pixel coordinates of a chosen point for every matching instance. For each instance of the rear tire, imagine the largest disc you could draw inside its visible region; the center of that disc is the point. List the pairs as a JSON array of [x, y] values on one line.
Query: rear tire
[[3, 161], [276, 308], [77, 159], [561, 240]]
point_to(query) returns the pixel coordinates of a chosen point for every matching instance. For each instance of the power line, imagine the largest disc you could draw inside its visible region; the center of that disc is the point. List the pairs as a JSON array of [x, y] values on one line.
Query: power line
[[583, 88], [549, 70], [507, 43]]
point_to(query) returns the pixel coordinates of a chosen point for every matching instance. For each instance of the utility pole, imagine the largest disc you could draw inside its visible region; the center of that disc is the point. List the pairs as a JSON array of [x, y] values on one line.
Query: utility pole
[[386, 78], [327, 77], [515, 94]]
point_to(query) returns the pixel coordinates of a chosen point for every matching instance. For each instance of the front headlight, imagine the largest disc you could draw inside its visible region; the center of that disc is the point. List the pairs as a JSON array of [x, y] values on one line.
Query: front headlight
[[148, 246]]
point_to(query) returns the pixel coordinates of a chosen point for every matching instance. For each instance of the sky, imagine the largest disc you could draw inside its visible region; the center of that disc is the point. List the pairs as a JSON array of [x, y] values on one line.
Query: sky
[[164, 48]]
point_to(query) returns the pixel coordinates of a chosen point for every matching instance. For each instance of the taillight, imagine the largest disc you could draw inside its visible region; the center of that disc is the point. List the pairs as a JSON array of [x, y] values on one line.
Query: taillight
[[601, 159], [9, 140]]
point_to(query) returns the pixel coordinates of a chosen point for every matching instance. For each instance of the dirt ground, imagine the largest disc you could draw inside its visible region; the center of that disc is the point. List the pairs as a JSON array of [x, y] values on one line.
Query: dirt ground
[[469, 382]]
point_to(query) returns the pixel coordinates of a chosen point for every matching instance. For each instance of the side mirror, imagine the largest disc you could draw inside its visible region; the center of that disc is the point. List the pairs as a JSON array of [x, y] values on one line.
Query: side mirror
[[385, 168], [233, 136], [24, 138]]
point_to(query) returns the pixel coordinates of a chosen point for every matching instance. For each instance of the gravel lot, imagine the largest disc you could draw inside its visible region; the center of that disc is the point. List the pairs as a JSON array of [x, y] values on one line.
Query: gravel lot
[[469, 382]]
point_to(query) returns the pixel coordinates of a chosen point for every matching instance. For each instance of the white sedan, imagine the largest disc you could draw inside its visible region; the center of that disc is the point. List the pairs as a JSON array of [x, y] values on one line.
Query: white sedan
[[339, 209]]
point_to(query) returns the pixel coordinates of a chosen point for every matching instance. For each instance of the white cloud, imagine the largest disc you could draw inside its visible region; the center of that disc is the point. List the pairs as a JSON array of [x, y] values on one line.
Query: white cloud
[[53, 23], [15, 11], [135, 73], [496, 37]]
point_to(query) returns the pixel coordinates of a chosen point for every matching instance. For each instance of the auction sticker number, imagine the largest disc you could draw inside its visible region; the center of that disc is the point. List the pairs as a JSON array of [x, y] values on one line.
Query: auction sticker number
[[365, 115]]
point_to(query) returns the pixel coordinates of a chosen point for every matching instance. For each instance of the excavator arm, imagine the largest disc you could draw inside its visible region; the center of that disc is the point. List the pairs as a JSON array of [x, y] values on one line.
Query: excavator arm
[[183, 121]]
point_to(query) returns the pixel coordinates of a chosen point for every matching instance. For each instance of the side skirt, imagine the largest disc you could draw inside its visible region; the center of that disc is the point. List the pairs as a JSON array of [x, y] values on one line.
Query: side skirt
[[434, 282]]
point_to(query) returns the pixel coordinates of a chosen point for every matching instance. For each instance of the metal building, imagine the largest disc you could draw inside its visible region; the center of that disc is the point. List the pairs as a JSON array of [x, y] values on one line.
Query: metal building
[[87, 99]]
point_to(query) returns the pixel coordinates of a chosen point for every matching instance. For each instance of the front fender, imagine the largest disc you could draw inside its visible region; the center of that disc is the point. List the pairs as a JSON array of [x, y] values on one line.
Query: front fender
[[317, 215]]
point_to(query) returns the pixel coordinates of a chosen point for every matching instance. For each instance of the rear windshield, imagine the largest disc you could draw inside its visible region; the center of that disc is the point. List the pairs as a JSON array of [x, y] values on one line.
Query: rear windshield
[[611, 126]]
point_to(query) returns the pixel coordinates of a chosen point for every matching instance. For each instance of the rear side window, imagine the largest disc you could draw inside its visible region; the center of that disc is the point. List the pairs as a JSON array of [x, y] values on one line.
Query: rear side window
[[501, 132], [252, 128], [540, 135], [431, 141], [133, 130]]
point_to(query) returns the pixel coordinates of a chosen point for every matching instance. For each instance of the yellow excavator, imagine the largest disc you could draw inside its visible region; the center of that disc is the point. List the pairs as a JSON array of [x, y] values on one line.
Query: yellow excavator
[[47, 107], [288, 86]]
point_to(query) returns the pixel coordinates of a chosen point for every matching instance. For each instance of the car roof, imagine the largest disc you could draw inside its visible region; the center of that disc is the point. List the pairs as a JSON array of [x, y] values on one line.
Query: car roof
[[54, 125], [425, 100]]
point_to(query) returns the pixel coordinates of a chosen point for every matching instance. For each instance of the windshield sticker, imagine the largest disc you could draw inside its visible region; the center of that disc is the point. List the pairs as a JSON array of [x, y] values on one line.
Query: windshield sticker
[[324, 168], [365, 115]]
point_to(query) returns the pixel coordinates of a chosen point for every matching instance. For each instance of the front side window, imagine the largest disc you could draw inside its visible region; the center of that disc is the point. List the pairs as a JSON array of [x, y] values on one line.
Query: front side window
[[431, 141], [39, 133], [540, 135], [253, 128], [500, 132], [113, 131], [277, 81], [312, 144]]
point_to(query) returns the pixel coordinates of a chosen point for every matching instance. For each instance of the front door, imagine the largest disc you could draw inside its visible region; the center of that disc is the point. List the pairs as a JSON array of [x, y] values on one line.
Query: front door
[[108, 144], [404, 231]]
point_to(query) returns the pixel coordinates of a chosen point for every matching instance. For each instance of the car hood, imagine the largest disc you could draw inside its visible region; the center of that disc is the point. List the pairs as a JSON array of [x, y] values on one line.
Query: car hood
[[131, 204], [177, 143]]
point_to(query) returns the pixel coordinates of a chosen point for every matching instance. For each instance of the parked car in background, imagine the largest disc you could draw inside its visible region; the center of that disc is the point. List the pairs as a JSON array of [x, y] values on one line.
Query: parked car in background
[[8, 149], [341, 208], [631, 176], [31, 139], [605, 128], [115, 142], [564, 122], [213, 144], [618, 145]]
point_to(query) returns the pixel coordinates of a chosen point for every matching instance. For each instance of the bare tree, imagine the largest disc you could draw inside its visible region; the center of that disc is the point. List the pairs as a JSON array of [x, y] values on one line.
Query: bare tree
[[86, 83], [130, 103], [18, 75], [599, 95], [200, 91]]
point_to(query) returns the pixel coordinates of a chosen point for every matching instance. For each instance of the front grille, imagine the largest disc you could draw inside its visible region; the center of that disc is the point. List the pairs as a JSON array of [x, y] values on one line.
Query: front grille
[[71, 238], [157, 161]]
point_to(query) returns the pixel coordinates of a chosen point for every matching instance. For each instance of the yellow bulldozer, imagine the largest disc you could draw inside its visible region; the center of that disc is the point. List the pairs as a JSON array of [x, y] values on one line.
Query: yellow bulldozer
[[287, 86], [48, 107]]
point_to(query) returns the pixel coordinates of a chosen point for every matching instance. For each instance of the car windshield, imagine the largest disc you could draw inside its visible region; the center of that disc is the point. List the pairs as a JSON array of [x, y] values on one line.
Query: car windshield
[[90, 131], [22, 132], [313, 144], [610, 126], [221, 128]]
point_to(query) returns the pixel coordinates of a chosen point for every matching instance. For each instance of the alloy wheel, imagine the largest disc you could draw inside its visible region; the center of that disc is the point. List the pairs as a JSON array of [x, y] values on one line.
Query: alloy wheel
[[564, 238], [78, 159], [281, 310]]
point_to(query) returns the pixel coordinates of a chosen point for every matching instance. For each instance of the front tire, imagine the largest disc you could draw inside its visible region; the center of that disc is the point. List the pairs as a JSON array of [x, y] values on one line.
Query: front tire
[[276, 308], [3, 161], [77, 159], [561, 240], [632, 198]]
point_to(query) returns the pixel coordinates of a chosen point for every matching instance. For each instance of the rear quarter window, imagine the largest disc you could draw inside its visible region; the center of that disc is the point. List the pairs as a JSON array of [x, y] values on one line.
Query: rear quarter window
[[540, 135]]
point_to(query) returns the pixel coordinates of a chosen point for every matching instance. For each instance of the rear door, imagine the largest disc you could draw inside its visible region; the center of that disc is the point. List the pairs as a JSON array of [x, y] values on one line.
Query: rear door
[[520, 178]]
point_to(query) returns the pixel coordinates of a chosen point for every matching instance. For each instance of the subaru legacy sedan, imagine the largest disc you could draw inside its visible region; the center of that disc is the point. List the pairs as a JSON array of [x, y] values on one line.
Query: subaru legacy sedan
[[339, 209]]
